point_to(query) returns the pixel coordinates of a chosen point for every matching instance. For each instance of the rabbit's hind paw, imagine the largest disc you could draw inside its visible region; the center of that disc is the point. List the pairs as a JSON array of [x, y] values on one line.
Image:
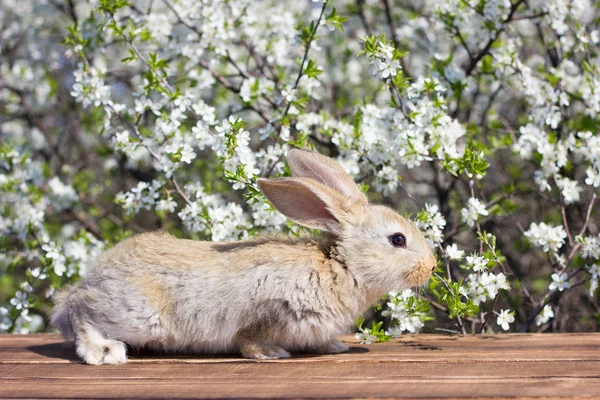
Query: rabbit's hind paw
[[264, 352], [333, 347], [94, 349]]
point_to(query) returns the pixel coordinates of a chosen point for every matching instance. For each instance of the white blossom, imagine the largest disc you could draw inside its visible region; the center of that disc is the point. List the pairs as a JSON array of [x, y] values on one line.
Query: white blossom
[[590, 247], [505, 318], [550, 238], [431, 222], [570, 190], [474, 209], [167, 204], [388, 67], [594, 271], [62, 196], [20, 300], [559, 282], [5, 321], [477, 263], [486, 285], [404, 317], [544, 315], [90, 88], [453, 252], [365, 336]]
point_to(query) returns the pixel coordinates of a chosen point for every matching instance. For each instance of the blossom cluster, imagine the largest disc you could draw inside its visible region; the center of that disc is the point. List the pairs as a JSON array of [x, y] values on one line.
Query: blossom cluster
[[477, 119], [407, 313]]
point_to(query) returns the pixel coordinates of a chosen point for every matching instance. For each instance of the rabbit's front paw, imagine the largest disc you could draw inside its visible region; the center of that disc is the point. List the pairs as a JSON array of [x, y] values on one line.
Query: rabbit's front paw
[[105, 352], [334, 347], [264, 352]]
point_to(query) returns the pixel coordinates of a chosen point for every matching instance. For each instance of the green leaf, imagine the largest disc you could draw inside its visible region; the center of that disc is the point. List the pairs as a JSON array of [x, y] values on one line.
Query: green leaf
[[312, 70], [132, 56], [336, 20]]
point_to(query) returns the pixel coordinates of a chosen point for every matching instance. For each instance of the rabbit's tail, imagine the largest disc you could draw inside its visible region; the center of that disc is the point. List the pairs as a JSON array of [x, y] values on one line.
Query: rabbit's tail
[[60, 313]]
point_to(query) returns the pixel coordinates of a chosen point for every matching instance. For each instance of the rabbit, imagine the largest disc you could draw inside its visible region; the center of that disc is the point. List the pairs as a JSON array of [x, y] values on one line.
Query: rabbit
[[264, 297]]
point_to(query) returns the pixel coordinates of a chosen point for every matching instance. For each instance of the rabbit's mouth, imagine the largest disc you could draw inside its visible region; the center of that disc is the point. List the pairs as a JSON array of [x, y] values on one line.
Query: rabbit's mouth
[[421, 272]]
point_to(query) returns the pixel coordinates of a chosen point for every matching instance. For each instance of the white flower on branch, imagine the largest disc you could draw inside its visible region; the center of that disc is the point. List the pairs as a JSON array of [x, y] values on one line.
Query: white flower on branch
[[191, 216], [590, 246], [266, 216], [386, 180], [143, 196], [544, 315], [593, 176], [570, 191], [54, 253], [62, 196], [559, 282], [505, 318], [388, 67], [187, 154], [289, 94], [454, 253], [89, 88], [594, 271], [486, 285], [167, 205], [474, 209], [20, 300], [38, 273], [550, 238], [432, 223], [5, 321], [365, 336], [477, 263], [406, 323], [403, 313]]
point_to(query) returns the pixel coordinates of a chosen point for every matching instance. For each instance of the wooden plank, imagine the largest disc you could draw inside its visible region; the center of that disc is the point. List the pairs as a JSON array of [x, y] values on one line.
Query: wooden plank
[[303, 380], [422, 348], [414, 366]]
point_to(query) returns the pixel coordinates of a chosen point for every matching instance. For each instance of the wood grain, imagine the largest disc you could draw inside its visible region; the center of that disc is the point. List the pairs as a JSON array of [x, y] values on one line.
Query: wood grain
[[413, 366]]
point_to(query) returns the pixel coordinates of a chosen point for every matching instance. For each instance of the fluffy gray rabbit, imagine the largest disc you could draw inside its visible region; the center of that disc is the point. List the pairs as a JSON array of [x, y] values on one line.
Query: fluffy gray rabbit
[[262, 297]]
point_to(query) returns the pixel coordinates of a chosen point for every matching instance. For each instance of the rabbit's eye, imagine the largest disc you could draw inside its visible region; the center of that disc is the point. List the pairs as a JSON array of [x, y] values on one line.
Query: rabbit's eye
[[398, 240]]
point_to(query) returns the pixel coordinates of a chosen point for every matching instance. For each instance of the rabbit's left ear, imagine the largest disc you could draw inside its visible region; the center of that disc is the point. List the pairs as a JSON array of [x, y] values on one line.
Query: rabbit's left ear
[[307, 202], [306, 164]]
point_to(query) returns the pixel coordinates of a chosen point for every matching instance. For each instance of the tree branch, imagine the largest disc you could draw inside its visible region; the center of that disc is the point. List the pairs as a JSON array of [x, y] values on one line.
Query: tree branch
[[475, 60]]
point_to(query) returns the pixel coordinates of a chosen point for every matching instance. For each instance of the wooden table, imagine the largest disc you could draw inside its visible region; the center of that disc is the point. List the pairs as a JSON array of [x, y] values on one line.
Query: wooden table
[[413, 366]]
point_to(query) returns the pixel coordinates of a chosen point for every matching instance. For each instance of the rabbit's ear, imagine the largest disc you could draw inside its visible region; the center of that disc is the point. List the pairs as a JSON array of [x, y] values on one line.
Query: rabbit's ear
[[306, 164], [306, 202]]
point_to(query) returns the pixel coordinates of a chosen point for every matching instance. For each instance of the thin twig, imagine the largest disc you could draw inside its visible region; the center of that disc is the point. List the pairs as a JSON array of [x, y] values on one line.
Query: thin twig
[[156, 157], [473, 63], [35, 121], [534, 16], [392, 25], [182, 20], [572, 253], [588, 214], [490, 314], [447, 330], [305, 57], [229, 86], [464, 43], [363, 17], [563, 212], [300, 73]]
